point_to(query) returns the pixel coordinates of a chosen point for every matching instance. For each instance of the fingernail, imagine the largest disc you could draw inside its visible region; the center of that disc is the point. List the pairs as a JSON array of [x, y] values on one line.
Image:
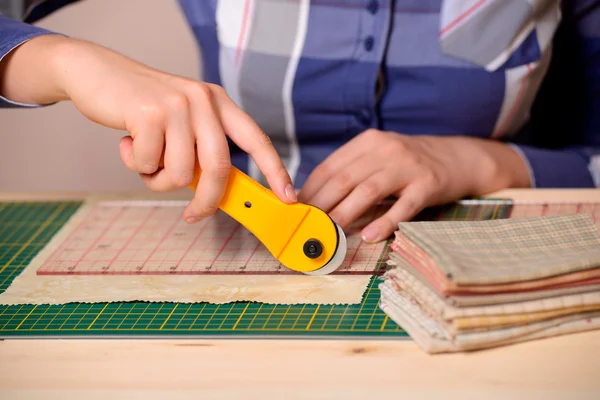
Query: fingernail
[[191, 220], [290, 193], [370, 234]]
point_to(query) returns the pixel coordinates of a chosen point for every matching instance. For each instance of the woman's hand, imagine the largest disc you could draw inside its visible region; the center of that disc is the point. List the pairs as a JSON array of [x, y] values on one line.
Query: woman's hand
[[172, 120], [421, 171]]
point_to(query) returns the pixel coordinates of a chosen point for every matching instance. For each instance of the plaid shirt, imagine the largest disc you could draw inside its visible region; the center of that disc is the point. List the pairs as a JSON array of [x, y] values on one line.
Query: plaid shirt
[[314, 74]]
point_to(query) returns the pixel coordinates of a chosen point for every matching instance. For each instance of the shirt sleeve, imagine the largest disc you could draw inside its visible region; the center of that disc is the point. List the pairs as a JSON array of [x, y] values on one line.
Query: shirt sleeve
[[13, 33], [566, 122]]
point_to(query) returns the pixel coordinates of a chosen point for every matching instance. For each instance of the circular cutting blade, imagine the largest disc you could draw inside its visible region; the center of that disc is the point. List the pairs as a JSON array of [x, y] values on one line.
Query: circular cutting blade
[[338, 257]]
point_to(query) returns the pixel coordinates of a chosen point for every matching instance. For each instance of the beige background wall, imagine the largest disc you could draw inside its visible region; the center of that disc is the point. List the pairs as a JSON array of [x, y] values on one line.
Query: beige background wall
[[58, 149]]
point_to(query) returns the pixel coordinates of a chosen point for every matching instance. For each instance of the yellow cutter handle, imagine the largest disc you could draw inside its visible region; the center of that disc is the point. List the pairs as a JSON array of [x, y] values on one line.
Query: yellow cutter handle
[[302, 237]]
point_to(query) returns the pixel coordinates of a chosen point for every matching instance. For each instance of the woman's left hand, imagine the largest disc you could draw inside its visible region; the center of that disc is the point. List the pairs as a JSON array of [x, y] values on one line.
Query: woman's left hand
[[421, 171]]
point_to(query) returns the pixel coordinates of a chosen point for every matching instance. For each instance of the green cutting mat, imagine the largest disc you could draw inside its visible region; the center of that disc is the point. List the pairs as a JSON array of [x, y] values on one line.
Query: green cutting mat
[[26, 227]]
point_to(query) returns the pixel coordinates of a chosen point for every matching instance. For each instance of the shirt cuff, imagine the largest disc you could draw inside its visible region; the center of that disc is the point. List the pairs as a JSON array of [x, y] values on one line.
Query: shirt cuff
[[556, 168], [13, 34]]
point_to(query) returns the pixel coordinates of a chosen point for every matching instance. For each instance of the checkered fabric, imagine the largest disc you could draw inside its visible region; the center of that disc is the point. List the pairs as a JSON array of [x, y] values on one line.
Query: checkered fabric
[[316, 73], [464, 285], [505, 250]]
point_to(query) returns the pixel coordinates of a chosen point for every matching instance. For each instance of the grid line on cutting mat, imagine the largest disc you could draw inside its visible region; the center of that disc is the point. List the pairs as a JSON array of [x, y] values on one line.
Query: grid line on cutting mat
[[25, 228]]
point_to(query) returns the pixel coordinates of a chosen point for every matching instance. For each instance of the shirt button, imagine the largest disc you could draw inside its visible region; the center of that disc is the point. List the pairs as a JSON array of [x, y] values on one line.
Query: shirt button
[[373, 6], [369, 42]]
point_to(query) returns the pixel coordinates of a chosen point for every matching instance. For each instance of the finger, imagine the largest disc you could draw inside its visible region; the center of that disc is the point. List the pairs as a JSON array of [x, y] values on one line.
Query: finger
[[335, 190], [148, 143], [159, 181], [180, 155], [213, 159], [366, 194], [335, 163], [412, 200], [250, 138], [126, 152]]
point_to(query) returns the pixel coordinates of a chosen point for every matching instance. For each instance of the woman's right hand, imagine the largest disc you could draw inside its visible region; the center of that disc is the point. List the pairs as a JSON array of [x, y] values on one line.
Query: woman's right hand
[[168, 117]]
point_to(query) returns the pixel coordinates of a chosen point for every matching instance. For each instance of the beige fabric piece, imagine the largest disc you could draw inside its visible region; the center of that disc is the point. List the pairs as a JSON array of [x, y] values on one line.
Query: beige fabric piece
[[437, 306], [504, 251], [500, 321], [470, 299], [29, 288], [446, 287], [433, 338]]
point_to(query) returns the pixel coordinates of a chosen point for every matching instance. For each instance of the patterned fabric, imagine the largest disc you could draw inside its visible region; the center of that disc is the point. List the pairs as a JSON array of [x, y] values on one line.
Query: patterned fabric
[[437, 305], [315, 73], [567, 284], [433, 338], [541, 274], [504, 250]]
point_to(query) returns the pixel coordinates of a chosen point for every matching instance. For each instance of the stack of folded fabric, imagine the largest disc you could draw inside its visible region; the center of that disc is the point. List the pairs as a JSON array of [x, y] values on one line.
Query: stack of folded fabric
[[468, 285]]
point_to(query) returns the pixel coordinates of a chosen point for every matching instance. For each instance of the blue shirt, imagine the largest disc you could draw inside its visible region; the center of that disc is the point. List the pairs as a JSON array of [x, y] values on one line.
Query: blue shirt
[[314, 74]]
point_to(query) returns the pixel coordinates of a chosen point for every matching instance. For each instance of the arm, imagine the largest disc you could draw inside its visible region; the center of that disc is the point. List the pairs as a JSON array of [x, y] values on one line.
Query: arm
[[566, 116], [174, 123], [24, 84]]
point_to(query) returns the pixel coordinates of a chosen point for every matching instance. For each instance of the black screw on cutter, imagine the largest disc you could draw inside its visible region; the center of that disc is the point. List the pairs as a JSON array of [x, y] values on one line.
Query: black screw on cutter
[[313, 248]]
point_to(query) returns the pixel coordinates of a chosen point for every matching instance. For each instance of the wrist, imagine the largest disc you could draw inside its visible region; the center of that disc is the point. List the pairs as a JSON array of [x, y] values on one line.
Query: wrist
[[28, 74], [503, 167]]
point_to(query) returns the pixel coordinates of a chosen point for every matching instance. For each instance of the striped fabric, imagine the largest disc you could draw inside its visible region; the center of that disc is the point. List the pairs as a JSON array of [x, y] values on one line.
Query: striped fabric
[[315, 73]]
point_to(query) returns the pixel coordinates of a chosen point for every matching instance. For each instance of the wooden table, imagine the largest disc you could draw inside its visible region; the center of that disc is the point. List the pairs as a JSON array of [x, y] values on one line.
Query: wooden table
[[567, 366]]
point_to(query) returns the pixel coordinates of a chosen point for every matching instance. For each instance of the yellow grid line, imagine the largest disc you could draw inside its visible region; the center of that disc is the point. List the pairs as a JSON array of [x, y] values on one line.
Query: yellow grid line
[[211, 317], [255, 315], [251, 330], [168, 316], [183, 317], [313, 317], [240, 317], [362, 305], [385, 320], [41, 316], [342, 318], [124, 318], [97, 316], [54, 316], [83, 316], [375, 309], [111, 317], [156, 314], [283, 317], [69, 316], [35, 235], [136, 321], [12, 316], [226, 316], [25, 319], [298, 316], [197, 316], [327, 318], [269, 317]]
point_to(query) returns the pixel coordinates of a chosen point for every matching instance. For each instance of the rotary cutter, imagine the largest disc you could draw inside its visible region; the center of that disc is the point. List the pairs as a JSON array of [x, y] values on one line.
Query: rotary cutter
[[301, 237]]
